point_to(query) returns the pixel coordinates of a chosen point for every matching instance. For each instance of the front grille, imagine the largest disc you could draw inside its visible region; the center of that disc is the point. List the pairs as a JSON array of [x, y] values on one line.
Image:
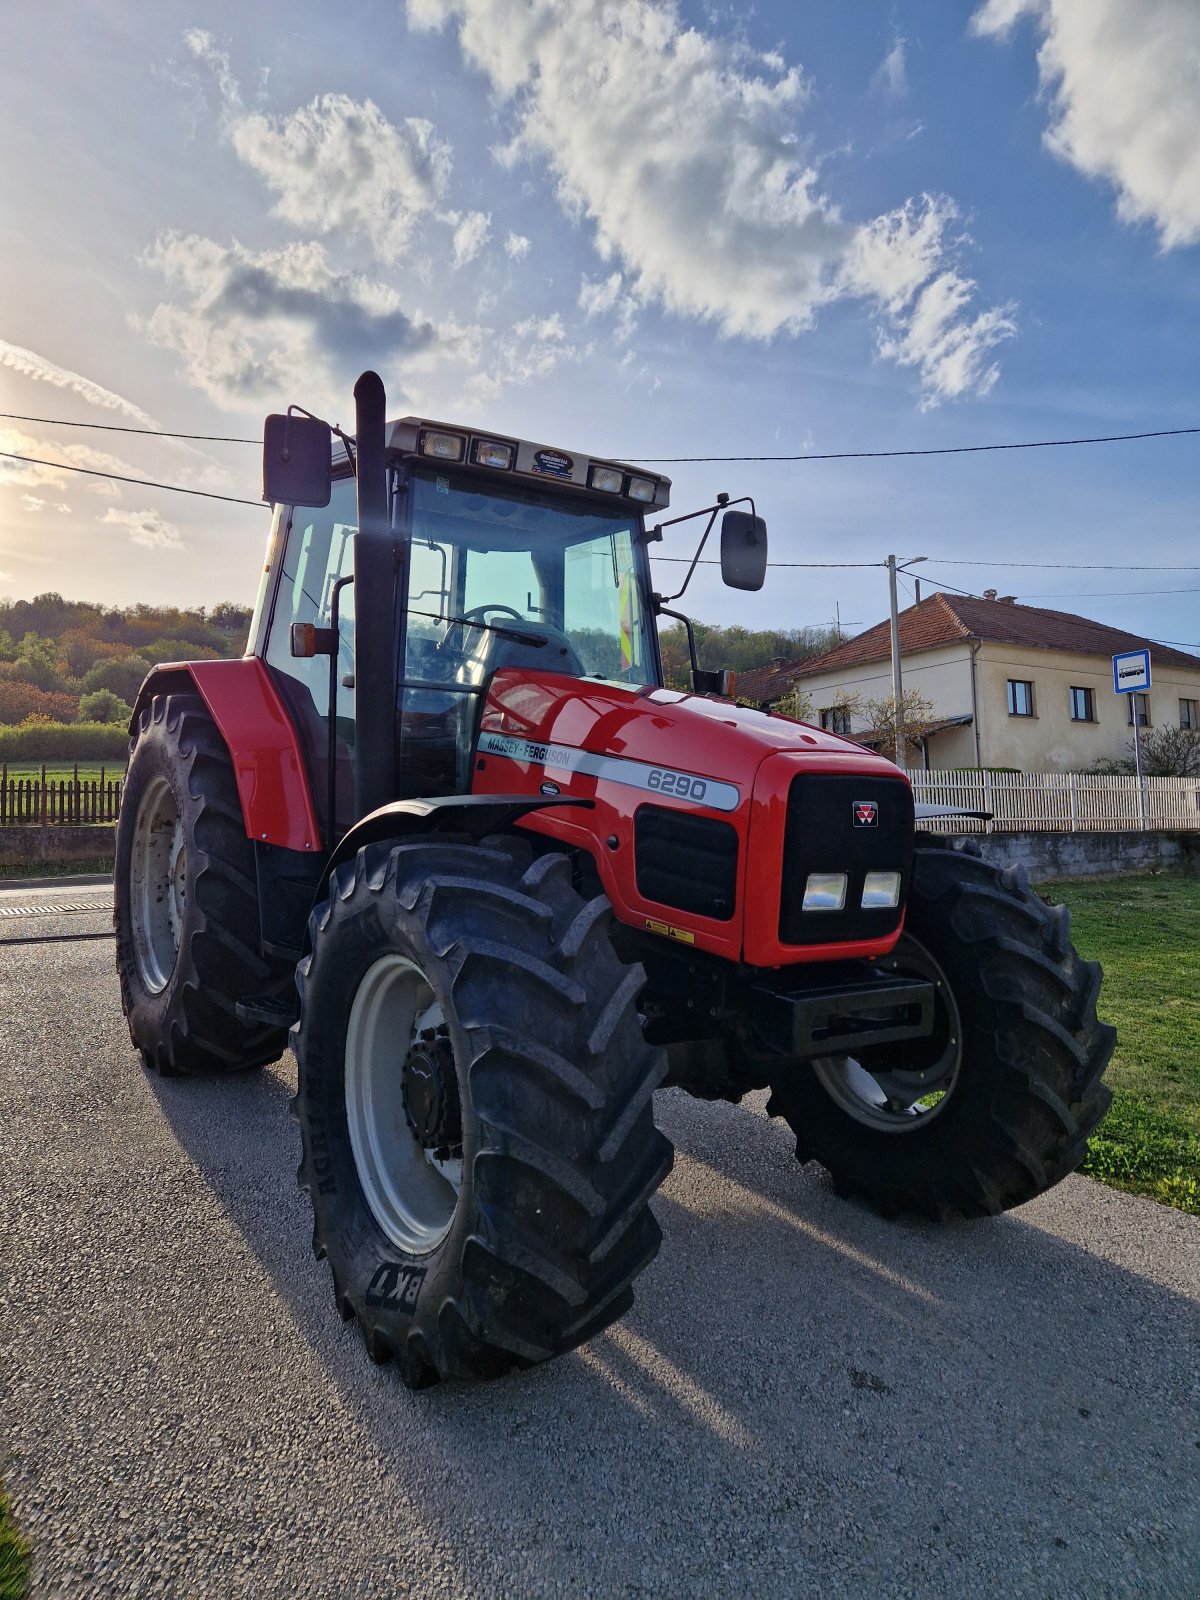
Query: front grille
[[689, 863], [820, 836]]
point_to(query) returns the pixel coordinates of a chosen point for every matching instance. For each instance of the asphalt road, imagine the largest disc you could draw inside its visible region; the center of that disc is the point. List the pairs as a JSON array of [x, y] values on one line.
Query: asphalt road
[[805, 1400]]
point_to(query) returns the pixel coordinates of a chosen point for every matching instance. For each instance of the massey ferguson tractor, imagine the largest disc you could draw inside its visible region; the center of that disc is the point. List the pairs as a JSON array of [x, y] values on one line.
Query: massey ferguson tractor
[[445, 830]]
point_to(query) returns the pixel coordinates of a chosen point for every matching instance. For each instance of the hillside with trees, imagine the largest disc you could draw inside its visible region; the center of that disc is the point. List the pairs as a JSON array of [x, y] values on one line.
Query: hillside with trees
[[739, 649], [70, 670]]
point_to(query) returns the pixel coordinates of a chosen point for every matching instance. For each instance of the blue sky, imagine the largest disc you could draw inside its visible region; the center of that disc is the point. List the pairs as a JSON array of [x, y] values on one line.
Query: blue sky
[[630, 228]]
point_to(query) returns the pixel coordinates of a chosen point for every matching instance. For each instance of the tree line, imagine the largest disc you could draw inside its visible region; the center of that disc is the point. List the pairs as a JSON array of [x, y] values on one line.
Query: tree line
[[72, 661]]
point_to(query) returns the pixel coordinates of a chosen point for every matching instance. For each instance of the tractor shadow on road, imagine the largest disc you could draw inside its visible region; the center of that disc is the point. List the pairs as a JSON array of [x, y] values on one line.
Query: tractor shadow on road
[[798, 1384]]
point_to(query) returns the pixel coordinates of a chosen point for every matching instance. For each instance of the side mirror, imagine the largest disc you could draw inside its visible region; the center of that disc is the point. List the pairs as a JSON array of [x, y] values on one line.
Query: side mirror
[[743, 550], [297, 461]]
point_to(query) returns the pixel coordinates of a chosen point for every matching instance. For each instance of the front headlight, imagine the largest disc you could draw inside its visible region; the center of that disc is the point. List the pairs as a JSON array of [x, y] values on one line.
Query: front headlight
[[825, 891]]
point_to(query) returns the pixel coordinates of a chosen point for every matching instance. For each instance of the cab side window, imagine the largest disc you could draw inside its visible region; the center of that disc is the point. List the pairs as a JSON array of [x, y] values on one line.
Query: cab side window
[[319, 551]]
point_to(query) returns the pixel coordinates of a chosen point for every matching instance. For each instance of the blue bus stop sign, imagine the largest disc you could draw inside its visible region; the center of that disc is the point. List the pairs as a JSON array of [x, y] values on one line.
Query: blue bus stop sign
[[1131, 671]]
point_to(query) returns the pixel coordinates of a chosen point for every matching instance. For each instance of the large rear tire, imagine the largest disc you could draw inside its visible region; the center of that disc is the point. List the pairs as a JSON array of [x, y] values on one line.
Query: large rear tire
[[185, 900], [475, 1104], [999, 1104]]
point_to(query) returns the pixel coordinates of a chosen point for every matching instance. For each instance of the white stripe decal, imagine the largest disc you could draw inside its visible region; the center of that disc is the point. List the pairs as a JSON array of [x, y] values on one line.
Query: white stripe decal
[[562, 758]]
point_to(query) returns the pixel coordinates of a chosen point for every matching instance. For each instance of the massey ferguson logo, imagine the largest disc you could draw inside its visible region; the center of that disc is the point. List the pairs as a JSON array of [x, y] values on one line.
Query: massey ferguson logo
[[866, 814]]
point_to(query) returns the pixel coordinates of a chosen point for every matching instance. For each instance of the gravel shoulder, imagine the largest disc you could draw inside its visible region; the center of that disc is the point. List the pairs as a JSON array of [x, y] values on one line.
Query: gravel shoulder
[[804, 1399]]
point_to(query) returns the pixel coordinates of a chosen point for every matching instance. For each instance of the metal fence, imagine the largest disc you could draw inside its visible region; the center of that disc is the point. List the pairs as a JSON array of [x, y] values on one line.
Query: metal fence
[[43, 801], [1064, 802]]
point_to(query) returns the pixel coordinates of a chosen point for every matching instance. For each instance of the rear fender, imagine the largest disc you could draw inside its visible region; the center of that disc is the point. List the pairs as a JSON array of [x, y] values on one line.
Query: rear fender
[[272, 780]]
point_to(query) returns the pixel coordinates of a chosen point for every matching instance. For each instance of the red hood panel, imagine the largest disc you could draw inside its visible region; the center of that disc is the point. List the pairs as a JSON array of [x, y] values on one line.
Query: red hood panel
[[690, 732]]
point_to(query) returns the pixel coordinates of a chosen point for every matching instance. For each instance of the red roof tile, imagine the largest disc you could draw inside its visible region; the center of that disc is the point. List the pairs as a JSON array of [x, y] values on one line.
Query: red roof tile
[[944, 619]]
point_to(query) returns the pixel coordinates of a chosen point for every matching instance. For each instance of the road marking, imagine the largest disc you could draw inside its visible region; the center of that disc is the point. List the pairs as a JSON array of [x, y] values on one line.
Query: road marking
[[56, 909]]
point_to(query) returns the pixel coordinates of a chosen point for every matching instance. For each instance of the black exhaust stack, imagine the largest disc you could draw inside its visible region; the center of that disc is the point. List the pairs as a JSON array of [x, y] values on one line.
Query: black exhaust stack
[[375, 576]]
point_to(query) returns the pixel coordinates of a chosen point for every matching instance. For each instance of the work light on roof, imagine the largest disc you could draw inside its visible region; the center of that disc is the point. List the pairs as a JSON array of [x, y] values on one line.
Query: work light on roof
[[490, 453], [642, 489], [608, 479], [442, 446]]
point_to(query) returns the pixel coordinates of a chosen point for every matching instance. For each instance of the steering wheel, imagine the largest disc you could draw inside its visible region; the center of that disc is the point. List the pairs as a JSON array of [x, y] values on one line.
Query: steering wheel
[[454, 641], [480, 613]]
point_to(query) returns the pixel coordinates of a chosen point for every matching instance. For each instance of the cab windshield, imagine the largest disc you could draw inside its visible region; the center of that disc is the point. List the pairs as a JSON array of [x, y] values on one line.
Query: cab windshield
[[571, 573]]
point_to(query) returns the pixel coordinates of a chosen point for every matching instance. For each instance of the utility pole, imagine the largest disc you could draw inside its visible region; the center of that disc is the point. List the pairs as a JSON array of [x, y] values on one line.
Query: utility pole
[[894, 567], [897, 685]]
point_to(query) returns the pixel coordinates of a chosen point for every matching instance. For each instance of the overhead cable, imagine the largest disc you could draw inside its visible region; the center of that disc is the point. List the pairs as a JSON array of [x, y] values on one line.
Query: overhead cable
[[805, 455], [144, 483]]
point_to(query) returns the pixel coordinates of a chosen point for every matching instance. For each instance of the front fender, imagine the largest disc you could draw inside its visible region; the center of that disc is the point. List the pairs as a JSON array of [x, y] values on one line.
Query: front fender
[[473, 814]]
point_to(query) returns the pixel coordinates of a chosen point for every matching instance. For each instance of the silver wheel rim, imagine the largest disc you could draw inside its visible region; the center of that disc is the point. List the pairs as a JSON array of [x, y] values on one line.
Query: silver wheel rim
[[411, 1194], [158, 884], [893, 1090]]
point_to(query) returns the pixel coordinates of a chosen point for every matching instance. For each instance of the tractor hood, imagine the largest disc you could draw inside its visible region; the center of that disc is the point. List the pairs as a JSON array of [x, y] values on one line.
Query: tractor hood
[[694, 735], [700, 815]]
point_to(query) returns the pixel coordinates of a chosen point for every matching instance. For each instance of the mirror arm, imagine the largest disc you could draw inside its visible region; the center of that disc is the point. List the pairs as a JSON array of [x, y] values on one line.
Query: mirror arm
[[654, 535], [661, 610]]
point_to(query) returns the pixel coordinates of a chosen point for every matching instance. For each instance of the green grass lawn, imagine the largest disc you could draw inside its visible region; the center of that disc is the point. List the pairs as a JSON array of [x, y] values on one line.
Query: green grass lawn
[[14, 1557], [1145, 932]]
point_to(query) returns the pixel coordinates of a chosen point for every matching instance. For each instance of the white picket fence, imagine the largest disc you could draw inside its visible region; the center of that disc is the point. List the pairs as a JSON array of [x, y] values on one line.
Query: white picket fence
[[1064, 802]]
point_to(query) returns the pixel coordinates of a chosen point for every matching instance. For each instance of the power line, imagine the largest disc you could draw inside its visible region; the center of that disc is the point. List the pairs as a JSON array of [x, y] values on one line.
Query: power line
[[944, 450], [1071, 566], [143, 483], [1102, 594], [833, 455], [112, 427], [713, 561]]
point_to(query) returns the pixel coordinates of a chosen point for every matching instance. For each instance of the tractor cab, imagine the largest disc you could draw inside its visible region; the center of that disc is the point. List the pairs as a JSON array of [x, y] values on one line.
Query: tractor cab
[[488, 553]]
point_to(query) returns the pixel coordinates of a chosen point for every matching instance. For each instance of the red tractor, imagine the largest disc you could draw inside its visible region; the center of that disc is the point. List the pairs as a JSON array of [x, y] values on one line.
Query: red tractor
[[446, 825]]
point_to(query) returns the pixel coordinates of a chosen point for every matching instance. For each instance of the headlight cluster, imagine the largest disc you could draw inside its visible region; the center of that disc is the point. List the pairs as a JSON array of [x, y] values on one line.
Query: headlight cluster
[[826, 891]]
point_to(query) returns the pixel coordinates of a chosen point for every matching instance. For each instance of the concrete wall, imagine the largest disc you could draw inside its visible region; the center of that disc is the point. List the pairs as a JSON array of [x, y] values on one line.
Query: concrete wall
[[1092, 855], [1050, 741], [29, 846]]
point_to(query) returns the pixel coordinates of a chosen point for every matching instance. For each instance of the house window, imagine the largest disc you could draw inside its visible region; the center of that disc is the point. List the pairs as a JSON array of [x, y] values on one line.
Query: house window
[[1020, 698], [835, 721], [1187, 714], [1142, 702], [1083, 705]]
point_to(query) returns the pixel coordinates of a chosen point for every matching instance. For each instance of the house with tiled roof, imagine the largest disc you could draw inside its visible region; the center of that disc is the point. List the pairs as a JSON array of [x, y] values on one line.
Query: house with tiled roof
[[1010, 685]]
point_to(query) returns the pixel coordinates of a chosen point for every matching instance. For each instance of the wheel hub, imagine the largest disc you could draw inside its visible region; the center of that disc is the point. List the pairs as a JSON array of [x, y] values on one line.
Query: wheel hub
[[431, 1102]]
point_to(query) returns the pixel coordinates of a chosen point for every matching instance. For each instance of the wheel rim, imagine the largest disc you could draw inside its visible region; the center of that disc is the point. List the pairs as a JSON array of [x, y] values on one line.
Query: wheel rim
[[411, 1193], [158, 884], [898, 1089]]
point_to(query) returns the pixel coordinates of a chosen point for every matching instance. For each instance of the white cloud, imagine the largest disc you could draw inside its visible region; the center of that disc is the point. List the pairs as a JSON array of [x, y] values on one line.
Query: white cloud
[[337, 165], [891, 76], [684, 153], [534, 349], [31, 365], [50, 460], [1123, 81], [262, 328], [470, 235], [602, 296], [146, 528], [516, 246], [32, 503]]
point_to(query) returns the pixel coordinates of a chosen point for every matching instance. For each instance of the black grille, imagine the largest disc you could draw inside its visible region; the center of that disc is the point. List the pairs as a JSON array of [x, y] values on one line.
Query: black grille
[[686, 862], [821, 836]]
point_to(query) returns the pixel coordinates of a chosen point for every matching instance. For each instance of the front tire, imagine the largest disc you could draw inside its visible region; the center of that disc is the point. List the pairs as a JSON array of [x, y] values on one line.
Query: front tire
[[998, 1105], [475, 1104], [185, 904]]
